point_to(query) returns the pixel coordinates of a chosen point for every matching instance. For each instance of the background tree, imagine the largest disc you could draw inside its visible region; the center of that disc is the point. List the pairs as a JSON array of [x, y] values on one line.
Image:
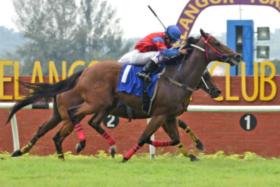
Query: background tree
[[63, 30], [99, 35], [9, 41]]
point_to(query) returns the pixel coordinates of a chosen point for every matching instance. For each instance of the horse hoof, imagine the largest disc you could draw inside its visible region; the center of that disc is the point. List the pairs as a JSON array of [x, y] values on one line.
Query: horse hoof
[[16, 153], [61, 157], [199, 145], [80, 146], [124, 160], [112, 151], [193, 158]]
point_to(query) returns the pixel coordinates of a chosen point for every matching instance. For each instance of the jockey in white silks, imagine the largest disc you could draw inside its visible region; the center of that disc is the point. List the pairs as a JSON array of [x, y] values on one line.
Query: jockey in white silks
[[152, 49]]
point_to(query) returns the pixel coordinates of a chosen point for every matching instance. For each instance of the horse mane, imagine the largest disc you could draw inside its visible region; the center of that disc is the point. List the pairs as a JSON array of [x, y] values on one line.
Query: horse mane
[[187, 45]]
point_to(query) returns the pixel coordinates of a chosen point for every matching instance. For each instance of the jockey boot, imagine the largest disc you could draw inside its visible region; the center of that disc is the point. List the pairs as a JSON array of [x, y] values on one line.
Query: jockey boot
[[147, 70], [146, 101]]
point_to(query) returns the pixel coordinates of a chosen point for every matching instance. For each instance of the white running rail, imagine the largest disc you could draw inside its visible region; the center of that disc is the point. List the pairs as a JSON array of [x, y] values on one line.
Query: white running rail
[[14, 126], [191, 108]]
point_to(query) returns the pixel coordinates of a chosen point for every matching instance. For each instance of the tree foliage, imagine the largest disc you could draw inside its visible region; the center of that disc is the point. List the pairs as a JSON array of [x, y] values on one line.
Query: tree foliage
[[68, 30], [9, 41]]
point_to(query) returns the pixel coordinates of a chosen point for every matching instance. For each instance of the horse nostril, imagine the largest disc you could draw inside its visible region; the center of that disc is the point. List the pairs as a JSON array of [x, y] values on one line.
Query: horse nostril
[[215, 92], [238, 57]]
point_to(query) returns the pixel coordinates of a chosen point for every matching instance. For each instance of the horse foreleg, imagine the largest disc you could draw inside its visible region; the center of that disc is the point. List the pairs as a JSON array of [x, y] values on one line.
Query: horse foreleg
[[191, 134], [153, 125], [43, 129], [94, 122]]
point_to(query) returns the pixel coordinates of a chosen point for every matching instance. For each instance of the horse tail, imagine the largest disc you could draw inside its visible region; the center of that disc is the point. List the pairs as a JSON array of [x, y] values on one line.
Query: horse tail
[[44, 90]]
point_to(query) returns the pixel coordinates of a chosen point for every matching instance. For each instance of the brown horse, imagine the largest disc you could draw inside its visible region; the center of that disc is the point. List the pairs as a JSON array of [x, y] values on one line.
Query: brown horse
[[94, 90]]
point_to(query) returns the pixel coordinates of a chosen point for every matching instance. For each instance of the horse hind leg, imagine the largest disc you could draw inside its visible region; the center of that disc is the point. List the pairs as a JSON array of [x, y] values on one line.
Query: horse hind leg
[[172, 131], [68, 125], [76, 114], [194, 138], [191, 154], [95, 122], [42, 130], [99, 105], [60, 136], [174, 135], [81, 136], [100, 110]]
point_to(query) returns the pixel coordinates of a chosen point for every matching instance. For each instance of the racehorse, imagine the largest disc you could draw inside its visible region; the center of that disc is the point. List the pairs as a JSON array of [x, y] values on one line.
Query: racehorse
[[206, 84], [94, 90]]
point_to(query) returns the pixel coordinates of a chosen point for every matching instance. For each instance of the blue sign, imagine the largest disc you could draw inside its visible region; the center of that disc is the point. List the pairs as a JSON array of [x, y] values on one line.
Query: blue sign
[[240, 37]]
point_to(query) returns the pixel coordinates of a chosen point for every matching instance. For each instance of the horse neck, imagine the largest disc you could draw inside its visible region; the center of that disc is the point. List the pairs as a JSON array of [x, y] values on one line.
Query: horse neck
[[191, 70]]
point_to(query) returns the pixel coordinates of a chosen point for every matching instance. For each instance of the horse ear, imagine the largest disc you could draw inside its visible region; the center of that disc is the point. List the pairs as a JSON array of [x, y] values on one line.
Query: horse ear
[[191, 40], [203, 33]]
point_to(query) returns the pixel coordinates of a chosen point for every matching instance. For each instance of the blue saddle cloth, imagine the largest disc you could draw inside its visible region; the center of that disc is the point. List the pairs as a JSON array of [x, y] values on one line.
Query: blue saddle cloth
[[130, 83]]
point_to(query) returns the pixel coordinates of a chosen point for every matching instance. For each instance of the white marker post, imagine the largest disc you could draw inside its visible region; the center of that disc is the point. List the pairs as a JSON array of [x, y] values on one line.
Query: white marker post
[[152, 149], [14, 127]]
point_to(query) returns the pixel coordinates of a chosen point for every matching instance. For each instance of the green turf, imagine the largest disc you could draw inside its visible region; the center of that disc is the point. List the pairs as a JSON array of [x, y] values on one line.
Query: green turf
[[168, 170]]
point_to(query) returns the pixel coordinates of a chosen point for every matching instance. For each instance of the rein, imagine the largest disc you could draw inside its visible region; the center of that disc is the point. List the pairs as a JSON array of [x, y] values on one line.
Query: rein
[[180, 85], [198, 47], [208, 47]]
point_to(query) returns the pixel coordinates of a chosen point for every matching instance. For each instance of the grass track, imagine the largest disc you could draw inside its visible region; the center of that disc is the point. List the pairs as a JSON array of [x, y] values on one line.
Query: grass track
[[169, 170]]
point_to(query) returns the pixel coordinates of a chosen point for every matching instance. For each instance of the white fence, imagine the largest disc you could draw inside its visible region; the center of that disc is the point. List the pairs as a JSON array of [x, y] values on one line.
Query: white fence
[[234, 108], [191, 108], [14, 126]]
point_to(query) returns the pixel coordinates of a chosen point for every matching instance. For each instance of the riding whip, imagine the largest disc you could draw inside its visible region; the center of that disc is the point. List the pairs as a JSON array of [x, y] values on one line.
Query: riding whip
[[156, 16]]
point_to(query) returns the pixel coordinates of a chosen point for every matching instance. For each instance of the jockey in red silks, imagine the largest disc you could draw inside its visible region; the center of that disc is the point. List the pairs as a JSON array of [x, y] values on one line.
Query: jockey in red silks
[[152, 49]]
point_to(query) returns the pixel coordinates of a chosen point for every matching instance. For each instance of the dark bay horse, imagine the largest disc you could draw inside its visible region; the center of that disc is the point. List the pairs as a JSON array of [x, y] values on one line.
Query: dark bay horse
[[94, 91], [206, 84]]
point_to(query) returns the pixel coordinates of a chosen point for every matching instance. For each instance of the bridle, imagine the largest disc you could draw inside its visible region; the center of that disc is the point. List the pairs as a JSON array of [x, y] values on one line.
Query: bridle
[[209, 47]]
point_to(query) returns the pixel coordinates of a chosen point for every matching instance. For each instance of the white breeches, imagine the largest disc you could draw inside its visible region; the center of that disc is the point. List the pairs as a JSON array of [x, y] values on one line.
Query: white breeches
[[138, 58]]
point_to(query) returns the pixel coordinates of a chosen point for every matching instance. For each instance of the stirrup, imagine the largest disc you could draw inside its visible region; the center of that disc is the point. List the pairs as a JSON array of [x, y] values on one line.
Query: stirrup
[[144, 76]]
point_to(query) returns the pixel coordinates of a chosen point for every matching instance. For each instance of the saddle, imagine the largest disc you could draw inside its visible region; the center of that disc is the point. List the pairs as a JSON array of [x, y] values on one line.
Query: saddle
[[130, 83]]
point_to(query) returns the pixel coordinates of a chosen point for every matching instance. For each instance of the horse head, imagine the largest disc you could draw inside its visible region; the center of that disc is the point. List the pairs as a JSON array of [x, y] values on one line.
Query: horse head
[[216, 51]]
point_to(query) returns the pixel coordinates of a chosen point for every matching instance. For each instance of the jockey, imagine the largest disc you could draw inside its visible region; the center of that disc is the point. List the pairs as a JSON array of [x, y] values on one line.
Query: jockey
[[152, 49]]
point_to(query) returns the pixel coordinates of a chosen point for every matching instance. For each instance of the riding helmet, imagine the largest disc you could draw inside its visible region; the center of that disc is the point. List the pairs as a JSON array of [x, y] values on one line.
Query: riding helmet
[[173, 32]]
